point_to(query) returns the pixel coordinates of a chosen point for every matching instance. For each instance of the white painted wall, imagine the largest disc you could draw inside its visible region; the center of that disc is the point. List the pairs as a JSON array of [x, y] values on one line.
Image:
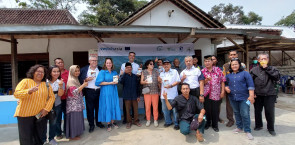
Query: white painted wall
[[158, 16]]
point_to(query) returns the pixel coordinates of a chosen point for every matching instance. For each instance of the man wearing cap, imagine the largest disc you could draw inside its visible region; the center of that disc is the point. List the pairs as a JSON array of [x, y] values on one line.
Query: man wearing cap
[[189, 108], [213, 92], [194, 78], [130, 94], [169, 80], [135, 70]]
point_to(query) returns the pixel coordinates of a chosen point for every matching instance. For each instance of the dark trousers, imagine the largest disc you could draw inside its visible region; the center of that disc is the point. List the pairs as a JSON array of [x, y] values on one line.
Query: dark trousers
[[212, 111], [131, 104], [268, 102], [64, 111], [229, 110], [92, 105], [195, 92], [30, 130]]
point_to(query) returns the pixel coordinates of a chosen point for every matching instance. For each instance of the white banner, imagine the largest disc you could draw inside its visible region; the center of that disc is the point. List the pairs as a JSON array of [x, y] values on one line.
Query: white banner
[[119, 49]]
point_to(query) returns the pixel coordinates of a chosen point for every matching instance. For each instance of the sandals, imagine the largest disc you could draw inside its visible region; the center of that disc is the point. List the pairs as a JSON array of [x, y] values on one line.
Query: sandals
[[115, 125], [109, 128]]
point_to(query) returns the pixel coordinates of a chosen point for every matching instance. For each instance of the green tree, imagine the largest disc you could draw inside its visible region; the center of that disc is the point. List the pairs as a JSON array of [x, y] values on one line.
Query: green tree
[[49, 4], [287, 21], [108, 12], [229, 14]]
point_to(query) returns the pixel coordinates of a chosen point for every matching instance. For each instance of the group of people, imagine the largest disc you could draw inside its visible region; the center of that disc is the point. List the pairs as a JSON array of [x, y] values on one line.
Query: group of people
[[191, 95]]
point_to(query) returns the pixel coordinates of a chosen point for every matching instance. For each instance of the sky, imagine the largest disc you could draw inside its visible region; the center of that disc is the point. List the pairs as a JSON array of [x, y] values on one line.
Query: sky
[[270, 10]]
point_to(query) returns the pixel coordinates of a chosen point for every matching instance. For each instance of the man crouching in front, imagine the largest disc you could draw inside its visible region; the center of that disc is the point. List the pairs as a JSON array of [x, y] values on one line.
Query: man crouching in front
[[191, 112]]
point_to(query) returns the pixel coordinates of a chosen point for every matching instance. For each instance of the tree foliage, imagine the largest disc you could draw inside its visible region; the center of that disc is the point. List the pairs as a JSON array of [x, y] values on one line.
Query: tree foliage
[[108, 12], [229, 14], [287, 21], [48, 4]]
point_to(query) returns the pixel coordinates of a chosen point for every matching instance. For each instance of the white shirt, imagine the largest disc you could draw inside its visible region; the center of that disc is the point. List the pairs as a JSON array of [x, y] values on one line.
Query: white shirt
[[92, 73], [192, 76], [55, 87], [135, 67], [171, 76]]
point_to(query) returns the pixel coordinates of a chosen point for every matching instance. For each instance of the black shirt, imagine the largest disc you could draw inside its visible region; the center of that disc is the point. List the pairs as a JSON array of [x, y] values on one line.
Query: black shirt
[[130, 86], [187, 109]]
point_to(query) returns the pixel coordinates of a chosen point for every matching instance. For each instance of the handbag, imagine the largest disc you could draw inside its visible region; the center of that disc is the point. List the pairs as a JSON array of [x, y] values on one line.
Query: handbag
[[51, 114], [146, 90], [194, 124]]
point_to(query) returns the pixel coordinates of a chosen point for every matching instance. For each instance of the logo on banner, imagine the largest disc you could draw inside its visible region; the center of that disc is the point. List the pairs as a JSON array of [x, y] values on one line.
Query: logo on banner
[[127, 48], [180, 48], [159, 48], [111, 48], [170, 49]]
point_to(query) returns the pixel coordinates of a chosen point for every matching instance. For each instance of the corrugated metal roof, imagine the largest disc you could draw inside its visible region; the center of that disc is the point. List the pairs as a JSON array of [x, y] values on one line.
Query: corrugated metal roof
[[286, 31]]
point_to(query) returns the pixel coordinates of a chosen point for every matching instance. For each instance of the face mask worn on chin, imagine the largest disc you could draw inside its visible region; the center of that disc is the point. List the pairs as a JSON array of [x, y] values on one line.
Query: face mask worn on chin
[[255, 61]]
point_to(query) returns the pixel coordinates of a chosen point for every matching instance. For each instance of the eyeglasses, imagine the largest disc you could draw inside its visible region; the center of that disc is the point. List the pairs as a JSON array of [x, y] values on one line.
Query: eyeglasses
[[151, 64], [41, 72]]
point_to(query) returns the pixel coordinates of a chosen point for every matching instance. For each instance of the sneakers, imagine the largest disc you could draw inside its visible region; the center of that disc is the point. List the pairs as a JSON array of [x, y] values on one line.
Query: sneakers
[[249, 136], [199, 137], [237, 130], [53, 142], [156, 124], [148, 123]]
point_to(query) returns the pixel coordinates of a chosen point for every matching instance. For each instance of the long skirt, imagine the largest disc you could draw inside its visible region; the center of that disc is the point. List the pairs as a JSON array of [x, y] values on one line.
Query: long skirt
[[74, 124]]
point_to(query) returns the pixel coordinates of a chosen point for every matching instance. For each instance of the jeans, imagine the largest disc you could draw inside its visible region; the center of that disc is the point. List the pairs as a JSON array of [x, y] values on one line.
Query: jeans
[[242, 114], [185, 126], [167, 113], [55, 125]]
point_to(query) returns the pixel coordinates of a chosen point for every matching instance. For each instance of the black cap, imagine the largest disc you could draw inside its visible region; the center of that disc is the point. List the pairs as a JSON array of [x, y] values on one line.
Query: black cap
[[207, 57], [128, 64], [166, 61]]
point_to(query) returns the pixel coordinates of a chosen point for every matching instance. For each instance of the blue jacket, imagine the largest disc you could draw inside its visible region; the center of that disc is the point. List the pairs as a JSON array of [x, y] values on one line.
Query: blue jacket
[[83, 73], [239, 84]]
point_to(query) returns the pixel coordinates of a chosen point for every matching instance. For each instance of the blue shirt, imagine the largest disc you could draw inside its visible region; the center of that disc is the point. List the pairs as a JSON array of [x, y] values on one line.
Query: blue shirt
[[239, 84], [130, 86]]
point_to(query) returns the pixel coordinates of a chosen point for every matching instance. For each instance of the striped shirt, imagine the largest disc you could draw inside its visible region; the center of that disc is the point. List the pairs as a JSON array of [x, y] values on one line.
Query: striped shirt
[[32, 104]]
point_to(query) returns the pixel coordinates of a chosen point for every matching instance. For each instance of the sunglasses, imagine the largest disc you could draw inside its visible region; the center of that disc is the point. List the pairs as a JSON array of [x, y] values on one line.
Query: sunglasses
[[151, 64]]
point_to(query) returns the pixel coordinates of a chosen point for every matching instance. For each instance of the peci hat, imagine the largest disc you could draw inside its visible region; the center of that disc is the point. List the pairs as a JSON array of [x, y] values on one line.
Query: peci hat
[[128, 64], [166, 61]]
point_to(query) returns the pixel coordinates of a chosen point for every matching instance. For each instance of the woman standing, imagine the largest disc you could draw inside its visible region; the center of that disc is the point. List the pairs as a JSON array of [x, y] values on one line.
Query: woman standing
[[35, 101], [109, 109], [58, 87], [149, 80], [75, 105], [240, 87]]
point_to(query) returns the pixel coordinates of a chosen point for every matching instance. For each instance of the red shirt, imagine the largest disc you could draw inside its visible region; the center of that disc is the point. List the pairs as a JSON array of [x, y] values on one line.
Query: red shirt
[[65, 76]]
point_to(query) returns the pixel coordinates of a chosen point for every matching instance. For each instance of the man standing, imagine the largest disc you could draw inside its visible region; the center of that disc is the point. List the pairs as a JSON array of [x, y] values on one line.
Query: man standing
[[229, 110], [264, 77], [64, 75], [91, 92], [189, 108], [176, 64], [135, 70], [195, 62], [169, 80], [130, 94], [194, 78], [254, 63], [213, 92]]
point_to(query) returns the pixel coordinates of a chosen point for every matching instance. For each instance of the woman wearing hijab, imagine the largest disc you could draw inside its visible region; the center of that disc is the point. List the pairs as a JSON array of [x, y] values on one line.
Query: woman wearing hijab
[[109, 109], [75, 105]]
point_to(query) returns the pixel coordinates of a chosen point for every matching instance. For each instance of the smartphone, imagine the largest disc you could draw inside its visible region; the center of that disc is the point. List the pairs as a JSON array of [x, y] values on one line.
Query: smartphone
[[38, 116], [248, 102]]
